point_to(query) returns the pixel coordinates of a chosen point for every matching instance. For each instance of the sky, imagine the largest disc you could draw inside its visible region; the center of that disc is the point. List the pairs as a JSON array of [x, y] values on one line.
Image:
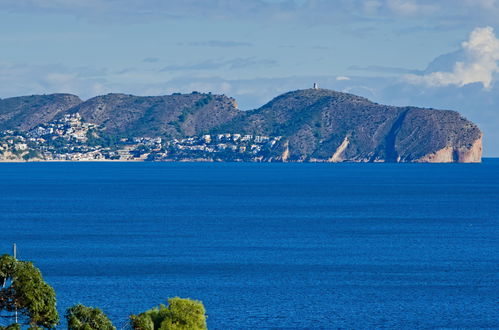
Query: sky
[[433, 53]]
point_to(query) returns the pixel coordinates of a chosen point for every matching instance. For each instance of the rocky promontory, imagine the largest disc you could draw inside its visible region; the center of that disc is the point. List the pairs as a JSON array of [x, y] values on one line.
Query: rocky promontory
[[329, 126], [311, 125]]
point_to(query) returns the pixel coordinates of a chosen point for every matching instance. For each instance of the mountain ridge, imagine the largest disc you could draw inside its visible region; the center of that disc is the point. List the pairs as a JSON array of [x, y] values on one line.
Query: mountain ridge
[[316, 125]]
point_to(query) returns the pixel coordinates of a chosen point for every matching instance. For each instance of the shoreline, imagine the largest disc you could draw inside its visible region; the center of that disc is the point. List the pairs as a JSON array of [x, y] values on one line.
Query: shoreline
[[219, 161]]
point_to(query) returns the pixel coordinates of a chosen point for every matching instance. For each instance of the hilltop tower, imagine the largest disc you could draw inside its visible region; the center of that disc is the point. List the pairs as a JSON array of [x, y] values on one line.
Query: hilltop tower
[[316, 86]]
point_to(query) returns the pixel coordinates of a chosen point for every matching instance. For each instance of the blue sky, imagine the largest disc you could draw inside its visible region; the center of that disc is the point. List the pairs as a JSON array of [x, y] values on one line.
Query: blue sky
[[441, 54]]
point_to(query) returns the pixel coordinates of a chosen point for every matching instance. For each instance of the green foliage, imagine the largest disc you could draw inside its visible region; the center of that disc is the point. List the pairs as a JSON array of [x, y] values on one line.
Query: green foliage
[[183, 116], [14, 326], [102, 139], [180, 314], [140, 150], [31, 154], [7, 267], [57, 143], [139, 100], [17, 152], [142, 322], [204, 101], [81, 317], [197, 105], [28, 293], [185, 314], [92, 138]]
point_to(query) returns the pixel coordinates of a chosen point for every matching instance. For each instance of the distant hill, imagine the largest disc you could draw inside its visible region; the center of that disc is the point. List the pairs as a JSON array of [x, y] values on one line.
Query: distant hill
[[25, 112], [316, 125], [321, 124], [175, 115]]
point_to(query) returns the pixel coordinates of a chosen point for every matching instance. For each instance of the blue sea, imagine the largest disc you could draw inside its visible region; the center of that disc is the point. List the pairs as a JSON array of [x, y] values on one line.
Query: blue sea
[[264, 246]]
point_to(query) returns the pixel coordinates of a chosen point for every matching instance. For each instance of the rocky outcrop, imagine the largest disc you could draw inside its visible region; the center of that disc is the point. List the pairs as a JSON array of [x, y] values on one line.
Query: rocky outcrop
[[472, 154], [450, 154], [444, 155], [338, 154]]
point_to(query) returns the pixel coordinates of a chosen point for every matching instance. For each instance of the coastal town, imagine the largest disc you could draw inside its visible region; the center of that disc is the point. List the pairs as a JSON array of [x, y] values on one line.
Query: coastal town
[[70, 138]]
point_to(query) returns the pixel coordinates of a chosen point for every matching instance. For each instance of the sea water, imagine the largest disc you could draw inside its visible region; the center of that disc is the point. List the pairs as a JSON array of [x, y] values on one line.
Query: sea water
[[264, 245]]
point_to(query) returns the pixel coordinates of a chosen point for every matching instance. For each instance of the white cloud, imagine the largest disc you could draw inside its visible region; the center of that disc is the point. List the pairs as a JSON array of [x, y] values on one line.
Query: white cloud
[[342, 78], [481, 56]]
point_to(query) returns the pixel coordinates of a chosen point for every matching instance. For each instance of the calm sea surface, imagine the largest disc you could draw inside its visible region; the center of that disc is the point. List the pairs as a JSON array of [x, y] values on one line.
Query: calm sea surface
[[265, 245]]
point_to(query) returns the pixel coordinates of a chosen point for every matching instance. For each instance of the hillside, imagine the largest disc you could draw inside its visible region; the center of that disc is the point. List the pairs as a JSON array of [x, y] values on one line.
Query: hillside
[[25, 112], [324, 125], [315, 125], [176, 115]]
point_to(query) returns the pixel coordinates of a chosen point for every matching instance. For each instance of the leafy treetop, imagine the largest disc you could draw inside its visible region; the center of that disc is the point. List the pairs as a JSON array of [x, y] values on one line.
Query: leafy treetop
[[180, 314], [28, 294], [81, 317]]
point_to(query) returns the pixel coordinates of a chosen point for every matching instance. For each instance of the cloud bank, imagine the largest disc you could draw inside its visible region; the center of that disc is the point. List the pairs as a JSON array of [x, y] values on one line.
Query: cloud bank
[[480, 64]]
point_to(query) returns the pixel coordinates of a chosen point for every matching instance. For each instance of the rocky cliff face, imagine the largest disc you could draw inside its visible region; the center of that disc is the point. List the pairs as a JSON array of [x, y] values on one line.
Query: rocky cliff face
[[437, 136], [316, 125], [450, 154]]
